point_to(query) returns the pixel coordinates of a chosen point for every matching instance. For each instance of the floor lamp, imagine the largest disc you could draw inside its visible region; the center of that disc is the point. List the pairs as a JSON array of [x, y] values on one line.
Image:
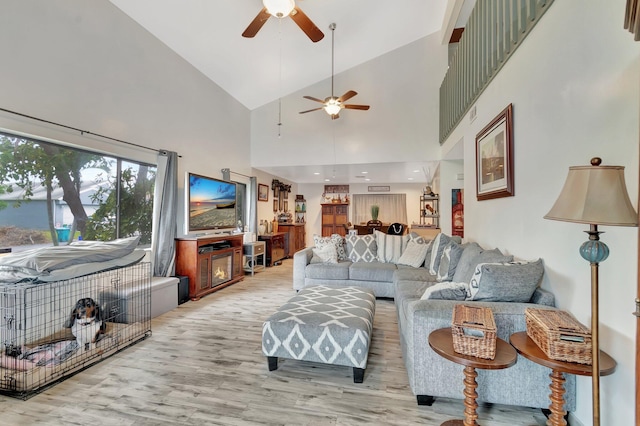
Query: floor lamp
[[595, 195]]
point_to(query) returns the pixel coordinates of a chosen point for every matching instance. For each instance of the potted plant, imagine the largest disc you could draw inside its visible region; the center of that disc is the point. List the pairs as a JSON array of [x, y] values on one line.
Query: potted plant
[[375, 210]]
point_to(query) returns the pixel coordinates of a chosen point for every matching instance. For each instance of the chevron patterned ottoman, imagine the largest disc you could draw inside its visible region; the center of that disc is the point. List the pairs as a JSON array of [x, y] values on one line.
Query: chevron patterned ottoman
[[324, 324]]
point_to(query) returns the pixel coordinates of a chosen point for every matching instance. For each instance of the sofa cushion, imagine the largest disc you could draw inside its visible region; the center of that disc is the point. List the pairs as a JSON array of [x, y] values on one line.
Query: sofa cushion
[[473, 255], [437, 247], [414, 254], [506, 282], [408, 273], [372, 271], [335, 240], [449, 261], [325, 254], [446, 291], [389, 246], [362, 248], [328, 271]]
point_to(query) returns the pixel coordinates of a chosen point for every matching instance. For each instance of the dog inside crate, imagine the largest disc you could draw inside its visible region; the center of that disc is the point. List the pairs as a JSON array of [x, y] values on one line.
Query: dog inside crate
[[50, 330]]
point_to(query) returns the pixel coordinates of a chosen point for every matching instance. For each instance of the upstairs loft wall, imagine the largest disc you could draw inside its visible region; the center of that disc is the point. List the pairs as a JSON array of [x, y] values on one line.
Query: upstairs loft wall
[[576, 95]]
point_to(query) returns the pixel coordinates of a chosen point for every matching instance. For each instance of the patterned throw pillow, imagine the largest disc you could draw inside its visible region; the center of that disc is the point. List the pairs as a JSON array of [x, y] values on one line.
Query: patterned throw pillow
[[361, 248], [389, 246], [413, 254], [505, 282], [339, 242], [449, 261], [334, 240], [439, 243], [327, 254], [446, 291]]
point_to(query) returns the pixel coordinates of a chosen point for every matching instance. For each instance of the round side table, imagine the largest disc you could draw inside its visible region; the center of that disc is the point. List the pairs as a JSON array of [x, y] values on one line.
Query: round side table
[[530, 350], [441, 341]]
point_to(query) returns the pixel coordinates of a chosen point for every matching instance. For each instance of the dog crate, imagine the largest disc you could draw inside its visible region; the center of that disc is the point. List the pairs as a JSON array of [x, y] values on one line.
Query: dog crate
[[38, 345]]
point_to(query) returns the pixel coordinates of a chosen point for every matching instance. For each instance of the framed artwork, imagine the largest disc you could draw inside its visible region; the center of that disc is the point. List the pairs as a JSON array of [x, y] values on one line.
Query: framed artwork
[[263, 192], [281, 205], [276, 191], [275, 205], [494, 158], [286, 206]]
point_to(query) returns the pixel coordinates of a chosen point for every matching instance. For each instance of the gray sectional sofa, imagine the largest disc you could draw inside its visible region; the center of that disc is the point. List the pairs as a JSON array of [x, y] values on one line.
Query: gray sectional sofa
[[425, 294]]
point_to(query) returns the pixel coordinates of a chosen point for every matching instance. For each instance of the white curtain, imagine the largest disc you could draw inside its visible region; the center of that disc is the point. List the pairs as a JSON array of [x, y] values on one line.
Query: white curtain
[[393, 207], [164, 215]]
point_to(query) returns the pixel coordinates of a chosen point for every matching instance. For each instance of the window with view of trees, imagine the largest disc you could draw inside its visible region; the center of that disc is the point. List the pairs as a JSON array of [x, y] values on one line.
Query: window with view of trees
[[53, 194]]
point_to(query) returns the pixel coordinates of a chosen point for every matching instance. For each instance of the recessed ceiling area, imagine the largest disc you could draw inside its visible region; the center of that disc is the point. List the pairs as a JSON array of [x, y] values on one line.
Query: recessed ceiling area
[[394, 172]]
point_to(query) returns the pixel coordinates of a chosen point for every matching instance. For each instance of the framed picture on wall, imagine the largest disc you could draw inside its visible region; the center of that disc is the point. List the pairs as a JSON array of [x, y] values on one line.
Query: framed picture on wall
[[275, 205], [494, 157], [263, 192]]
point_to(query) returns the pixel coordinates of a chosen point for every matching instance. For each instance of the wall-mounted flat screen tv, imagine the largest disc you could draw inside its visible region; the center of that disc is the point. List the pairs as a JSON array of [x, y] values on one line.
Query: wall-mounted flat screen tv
[[211, 204]]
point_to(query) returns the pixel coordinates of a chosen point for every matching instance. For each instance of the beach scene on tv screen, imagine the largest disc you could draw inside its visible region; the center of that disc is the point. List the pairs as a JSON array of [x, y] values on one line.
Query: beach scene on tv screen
[[211, 204]]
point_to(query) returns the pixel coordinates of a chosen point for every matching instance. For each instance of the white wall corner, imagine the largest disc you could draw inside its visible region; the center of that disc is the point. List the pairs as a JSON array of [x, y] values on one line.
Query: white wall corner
[[451, 14]]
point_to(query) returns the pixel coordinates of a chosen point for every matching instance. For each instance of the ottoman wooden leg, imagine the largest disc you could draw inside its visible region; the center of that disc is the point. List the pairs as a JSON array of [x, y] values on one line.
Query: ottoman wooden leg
[[273, 362], [358, 375]]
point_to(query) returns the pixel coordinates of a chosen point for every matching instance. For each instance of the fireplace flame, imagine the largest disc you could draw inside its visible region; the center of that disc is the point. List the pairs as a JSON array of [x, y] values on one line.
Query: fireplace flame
[[220, 273]]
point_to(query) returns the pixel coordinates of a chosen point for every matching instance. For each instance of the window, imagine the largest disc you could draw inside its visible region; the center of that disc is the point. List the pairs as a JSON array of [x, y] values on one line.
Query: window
[[393, 207], [53, 194]]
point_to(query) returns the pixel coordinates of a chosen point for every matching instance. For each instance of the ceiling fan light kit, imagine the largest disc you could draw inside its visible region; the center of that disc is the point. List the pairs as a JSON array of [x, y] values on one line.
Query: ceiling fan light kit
[[279, 8], [332, 104]]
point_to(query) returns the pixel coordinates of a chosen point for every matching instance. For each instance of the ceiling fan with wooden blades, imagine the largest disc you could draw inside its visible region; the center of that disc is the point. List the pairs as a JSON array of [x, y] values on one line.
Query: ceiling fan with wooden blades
[[281, 9], [332, 105]]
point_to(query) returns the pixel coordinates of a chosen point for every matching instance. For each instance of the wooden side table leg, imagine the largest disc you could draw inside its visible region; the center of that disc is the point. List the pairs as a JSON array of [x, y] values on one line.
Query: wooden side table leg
[[556, 418], [470, 396]]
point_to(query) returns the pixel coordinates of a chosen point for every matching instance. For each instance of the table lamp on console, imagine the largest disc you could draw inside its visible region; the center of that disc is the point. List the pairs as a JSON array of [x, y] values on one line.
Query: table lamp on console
[[594, 195]]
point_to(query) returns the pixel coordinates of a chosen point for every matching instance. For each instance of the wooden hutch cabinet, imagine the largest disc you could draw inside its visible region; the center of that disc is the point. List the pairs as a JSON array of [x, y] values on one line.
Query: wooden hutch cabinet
[[211, 262], [296, 238], [334, 217]]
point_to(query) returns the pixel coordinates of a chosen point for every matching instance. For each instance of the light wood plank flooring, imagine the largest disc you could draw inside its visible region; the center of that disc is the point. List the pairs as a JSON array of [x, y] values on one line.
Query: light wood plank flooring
[[203, 365]]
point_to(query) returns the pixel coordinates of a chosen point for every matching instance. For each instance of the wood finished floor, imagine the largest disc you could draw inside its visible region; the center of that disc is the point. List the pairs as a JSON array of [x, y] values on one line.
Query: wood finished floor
[[203, 365]]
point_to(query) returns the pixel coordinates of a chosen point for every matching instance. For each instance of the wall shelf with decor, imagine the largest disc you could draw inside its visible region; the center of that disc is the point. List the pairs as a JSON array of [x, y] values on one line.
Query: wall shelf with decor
[[430, 211], [301, 209]]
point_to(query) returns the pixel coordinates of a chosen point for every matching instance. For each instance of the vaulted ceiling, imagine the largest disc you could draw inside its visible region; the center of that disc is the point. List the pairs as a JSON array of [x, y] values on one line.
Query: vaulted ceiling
[[281, 59]]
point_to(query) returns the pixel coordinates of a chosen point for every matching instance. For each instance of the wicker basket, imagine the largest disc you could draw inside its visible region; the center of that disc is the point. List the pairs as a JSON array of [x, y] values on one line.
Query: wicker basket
[[559, 335], [474, 331]]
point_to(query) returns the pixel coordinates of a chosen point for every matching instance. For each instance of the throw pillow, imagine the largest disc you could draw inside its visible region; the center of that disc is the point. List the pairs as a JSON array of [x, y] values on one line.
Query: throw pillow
[[389, 247], [472, 256], [413, 255], [362, 248], [334, 240], [327, 254], [446, 291], [437, 247], [506, 282], [449, 261], [338, 241]]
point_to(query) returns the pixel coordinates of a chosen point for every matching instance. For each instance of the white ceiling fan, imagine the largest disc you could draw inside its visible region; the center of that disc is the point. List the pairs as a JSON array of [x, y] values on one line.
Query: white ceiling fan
[[332, 104]]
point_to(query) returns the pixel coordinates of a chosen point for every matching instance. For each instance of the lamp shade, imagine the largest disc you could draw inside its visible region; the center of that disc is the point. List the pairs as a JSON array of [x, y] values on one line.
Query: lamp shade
[[594, 195]]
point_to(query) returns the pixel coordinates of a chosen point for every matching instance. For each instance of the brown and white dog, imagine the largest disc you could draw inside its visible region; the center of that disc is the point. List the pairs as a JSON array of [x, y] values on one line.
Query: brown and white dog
[[86, 322]]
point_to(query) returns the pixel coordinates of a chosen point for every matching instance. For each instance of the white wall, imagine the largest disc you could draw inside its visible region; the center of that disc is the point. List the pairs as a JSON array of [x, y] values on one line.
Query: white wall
[[575, 91], [89, 66], [402, 124]]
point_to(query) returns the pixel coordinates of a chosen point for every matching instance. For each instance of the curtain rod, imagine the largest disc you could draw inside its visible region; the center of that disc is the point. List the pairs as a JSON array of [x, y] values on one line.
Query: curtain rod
[[235, 173], [83, 132]]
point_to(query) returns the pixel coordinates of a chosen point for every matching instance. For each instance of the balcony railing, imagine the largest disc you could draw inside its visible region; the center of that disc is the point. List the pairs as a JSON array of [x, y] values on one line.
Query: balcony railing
[[493, 32]]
